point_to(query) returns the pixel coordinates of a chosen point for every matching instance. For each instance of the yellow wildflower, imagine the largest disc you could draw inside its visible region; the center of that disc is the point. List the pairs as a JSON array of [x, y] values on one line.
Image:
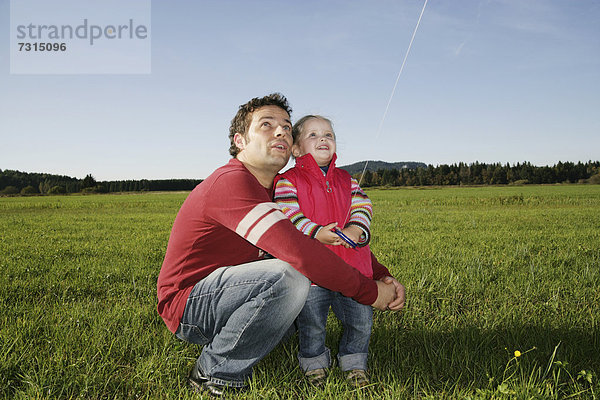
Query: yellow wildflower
[[517, 353]]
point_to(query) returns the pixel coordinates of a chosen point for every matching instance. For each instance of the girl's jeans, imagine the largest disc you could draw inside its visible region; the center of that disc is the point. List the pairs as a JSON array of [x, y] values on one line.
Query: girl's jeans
[[356, 319]]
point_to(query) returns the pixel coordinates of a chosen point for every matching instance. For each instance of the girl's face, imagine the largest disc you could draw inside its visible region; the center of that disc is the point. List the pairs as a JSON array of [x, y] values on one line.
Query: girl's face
[[318, 139]]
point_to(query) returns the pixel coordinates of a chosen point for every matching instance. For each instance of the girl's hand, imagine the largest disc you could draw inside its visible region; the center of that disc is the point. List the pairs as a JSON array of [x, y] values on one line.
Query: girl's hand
[[326, 236], [353, 233]]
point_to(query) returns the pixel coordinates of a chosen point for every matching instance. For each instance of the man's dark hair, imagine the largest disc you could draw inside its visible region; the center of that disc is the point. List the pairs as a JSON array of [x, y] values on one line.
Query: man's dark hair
[[241, 122]]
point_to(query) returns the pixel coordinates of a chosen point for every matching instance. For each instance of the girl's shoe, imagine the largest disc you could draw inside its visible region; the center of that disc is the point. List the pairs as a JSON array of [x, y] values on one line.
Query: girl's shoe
[[357, 378], [316, 377]]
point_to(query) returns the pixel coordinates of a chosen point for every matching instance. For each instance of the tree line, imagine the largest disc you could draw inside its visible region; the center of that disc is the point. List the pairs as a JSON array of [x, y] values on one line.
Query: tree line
[[484, 174], [16, 182]]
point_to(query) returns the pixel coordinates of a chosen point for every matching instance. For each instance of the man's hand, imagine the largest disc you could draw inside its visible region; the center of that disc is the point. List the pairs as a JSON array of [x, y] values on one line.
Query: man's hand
[[326, 236], [353, 233], [400, 299], [386, 293]]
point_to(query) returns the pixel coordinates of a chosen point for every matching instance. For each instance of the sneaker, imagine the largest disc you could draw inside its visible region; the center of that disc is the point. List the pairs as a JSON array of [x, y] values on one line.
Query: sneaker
[[357, 378], [197, 380], [202, 385], [316, 377]]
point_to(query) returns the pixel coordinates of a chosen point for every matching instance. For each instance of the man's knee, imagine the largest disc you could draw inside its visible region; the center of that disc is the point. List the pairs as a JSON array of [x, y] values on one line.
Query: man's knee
[[294, 286]]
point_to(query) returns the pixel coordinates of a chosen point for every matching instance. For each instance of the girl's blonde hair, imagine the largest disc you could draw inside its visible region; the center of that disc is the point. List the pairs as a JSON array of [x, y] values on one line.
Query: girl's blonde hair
[[297, 128]]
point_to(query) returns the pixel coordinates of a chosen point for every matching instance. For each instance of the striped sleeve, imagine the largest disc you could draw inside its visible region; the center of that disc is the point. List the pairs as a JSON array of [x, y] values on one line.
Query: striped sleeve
[[286, 197], [254, 224], [237, 203], [361, 212]]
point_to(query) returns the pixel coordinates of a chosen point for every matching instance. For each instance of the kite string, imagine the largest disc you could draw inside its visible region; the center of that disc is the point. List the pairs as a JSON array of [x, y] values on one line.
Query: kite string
[[387, 107], [379, 129]]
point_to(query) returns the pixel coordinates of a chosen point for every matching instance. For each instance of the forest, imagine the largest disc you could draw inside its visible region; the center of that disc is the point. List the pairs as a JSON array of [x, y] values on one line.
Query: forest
[[24, 183], [483, 174]]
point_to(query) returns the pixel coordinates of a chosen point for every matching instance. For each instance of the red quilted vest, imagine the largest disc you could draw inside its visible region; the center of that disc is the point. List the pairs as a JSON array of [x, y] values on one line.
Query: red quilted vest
[[325, 199]]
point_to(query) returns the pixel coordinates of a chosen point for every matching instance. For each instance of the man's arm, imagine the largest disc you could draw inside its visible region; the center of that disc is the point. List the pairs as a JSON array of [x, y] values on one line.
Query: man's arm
[[379, 270], [240, 204], [382, 274]]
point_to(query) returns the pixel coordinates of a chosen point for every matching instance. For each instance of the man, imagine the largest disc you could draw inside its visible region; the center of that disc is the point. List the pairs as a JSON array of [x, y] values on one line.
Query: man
[[216, 288]]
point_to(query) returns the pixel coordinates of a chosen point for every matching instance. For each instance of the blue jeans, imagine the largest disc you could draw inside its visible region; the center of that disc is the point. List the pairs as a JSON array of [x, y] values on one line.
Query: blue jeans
[[356, 319], [239, 314]]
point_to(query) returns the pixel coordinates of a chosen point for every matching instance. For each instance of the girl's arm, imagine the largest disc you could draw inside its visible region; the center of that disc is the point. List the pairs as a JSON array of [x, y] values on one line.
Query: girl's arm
[[286, 196], [361, 214]]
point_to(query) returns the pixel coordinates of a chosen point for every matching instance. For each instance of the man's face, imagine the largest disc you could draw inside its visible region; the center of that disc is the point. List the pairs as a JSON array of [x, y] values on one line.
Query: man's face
[[268, 143]]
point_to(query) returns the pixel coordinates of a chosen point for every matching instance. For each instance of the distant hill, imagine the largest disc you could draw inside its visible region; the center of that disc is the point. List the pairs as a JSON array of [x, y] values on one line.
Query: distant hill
[[373, 166]]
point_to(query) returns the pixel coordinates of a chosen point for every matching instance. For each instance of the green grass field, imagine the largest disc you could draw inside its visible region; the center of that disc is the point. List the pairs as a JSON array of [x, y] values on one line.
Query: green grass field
[[488, 271]]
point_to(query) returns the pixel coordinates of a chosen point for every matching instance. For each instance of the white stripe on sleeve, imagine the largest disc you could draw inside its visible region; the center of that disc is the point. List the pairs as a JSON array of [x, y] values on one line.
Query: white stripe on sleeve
[[257, 213], [263, 225]]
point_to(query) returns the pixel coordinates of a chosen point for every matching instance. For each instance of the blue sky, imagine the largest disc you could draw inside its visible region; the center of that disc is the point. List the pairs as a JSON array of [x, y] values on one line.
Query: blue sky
[[489, 81]]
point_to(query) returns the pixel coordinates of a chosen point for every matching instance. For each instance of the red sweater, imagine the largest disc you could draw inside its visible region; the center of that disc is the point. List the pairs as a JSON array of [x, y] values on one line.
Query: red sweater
[[226, 221]]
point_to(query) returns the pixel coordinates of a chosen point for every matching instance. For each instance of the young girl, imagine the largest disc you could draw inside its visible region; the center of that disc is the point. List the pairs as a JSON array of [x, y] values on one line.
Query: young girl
[[318, 197]]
